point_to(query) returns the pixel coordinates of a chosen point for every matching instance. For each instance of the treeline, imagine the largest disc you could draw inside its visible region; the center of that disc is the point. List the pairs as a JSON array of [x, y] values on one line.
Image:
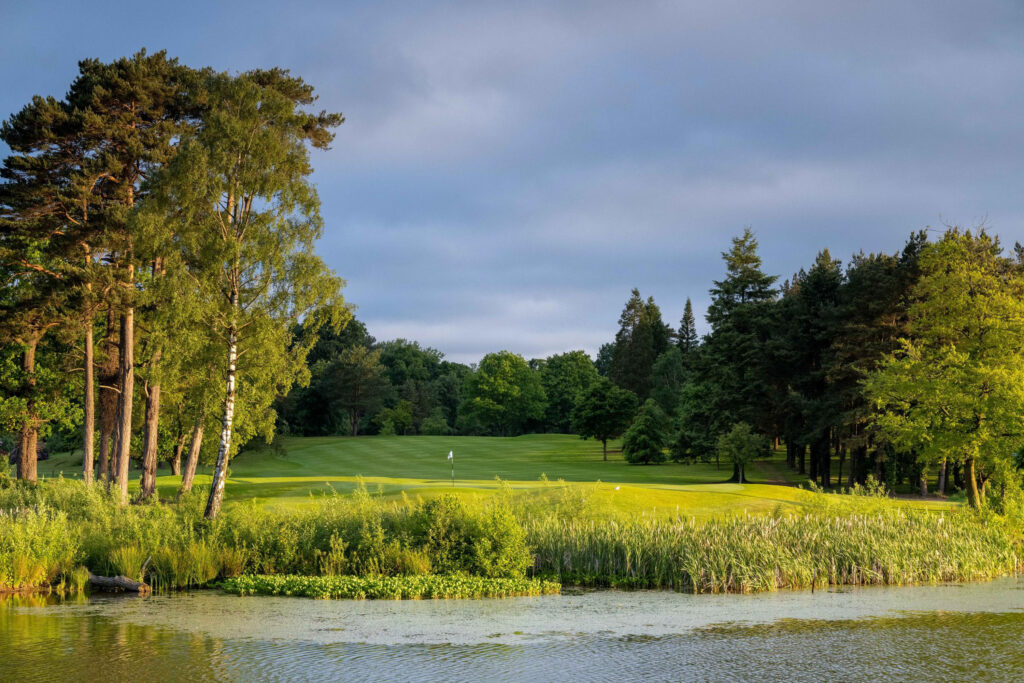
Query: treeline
[[903, 367], [157, 229], [895, 366], [361, 386]]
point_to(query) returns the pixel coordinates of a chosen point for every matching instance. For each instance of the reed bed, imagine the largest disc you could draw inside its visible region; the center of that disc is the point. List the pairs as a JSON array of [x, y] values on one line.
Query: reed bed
[[766, 553], [429, 586], [37, 546], [49, 534]]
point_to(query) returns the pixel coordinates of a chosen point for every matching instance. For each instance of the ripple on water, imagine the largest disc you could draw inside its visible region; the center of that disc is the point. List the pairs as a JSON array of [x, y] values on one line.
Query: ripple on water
[[923, 633]]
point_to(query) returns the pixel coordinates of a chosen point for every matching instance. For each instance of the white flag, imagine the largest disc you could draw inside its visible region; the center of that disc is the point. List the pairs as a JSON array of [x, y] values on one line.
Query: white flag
[[451, 455]]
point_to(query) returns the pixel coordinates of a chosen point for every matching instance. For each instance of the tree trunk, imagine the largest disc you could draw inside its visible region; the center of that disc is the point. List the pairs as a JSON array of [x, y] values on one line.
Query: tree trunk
[[220, 469], [972, 484], [127, 387], [178, 448], [803, 459], [856, 463], [842, 458], [89, 424], [118, 583], [942, 478], [958, 476], [30, 425], [108, 398], [193, 458], [149, 448], [604, 447], [924, 480], [815, 458], [825, 466]]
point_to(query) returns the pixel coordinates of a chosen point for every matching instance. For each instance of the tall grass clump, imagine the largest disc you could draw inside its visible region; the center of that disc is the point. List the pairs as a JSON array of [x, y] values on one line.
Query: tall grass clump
[[823, 546], [37, 545]]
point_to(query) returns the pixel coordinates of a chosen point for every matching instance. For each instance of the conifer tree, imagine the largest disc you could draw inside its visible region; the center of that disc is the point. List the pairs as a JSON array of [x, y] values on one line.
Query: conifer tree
[[641, 338], [731, 380], [644, 441], [687, 339]]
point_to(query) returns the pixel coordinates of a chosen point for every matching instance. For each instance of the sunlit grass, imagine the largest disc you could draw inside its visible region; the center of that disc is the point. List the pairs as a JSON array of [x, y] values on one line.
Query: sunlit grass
[[304, 469]]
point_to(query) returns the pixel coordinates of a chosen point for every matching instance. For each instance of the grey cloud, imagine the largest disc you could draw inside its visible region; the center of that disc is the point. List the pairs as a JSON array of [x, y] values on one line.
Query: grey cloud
[[509, 171]]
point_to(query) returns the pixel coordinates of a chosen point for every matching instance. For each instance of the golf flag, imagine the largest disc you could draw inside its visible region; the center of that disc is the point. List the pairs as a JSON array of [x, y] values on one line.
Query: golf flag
[[451, 455]]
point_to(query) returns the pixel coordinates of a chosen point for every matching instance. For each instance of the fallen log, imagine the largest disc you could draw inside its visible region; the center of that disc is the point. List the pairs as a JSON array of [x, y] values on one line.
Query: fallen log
[[119, 583]]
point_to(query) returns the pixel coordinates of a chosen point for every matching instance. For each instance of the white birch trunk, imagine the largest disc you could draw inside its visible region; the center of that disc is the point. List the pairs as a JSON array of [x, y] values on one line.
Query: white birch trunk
[[220, 470]]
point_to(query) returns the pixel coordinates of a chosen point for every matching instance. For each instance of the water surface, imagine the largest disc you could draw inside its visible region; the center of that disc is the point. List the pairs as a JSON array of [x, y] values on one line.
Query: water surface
[[922, 633]]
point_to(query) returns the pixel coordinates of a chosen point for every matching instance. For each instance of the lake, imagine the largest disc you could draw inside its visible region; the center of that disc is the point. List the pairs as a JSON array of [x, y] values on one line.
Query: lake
[[945, 632]]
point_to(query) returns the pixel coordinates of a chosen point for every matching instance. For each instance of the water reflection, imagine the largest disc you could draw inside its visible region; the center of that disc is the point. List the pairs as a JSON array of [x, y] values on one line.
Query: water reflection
[[940, 633]]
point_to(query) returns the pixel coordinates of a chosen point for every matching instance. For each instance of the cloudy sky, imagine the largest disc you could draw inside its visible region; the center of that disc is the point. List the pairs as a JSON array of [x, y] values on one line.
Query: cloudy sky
[[509, 171]]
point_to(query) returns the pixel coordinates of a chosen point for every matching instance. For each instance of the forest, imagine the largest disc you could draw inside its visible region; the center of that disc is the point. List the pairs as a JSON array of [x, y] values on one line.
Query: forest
[[163, 305]]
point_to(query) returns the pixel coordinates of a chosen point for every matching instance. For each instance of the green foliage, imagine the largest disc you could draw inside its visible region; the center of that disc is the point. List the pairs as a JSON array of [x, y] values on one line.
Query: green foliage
[[953, 391], [435, 423], [687, 339], [603, 412], [399, 419], [36, 546], [667, 380], [390, 587], [565, 377], [855, 541], [504, 394], [740, 446], [174, 546], [641, 338], [733, 362], [644, 441], [695, 436]]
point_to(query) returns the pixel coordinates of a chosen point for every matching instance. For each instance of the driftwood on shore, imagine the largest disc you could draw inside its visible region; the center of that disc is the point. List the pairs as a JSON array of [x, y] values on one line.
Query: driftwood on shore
[[118, 583]]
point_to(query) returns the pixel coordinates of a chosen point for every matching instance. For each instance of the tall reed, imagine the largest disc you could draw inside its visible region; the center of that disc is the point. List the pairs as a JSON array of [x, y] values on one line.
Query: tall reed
[[745, 554]]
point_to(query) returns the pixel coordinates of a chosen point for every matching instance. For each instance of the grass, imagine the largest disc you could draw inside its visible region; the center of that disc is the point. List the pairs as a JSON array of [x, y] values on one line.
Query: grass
[[301, 469], [564, 533], [389, 587], [36, 547]]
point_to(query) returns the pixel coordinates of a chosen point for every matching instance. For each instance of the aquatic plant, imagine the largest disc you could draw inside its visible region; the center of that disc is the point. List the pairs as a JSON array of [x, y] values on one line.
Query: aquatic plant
[[389, 587], [764, 553]]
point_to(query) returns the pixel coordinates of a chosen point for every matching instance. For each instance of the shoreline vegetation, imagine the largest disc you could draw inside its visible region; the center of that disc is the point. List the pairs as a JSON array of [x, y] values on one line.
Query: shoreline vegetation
[[513, 543], [427, 586]]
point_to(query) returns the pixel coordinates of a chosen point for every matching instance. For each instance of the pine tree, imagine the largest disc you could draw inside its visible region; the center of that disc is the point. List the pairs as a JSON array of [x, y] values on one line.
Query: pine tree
[[687, 338], [644, 441], [731, 377], [641, 338]]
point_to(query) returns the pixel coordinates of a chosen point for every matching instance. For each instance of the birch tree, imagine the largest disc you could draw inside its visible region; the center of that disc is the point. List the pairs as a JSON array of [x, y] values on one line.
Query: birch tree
[[248, 219]]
